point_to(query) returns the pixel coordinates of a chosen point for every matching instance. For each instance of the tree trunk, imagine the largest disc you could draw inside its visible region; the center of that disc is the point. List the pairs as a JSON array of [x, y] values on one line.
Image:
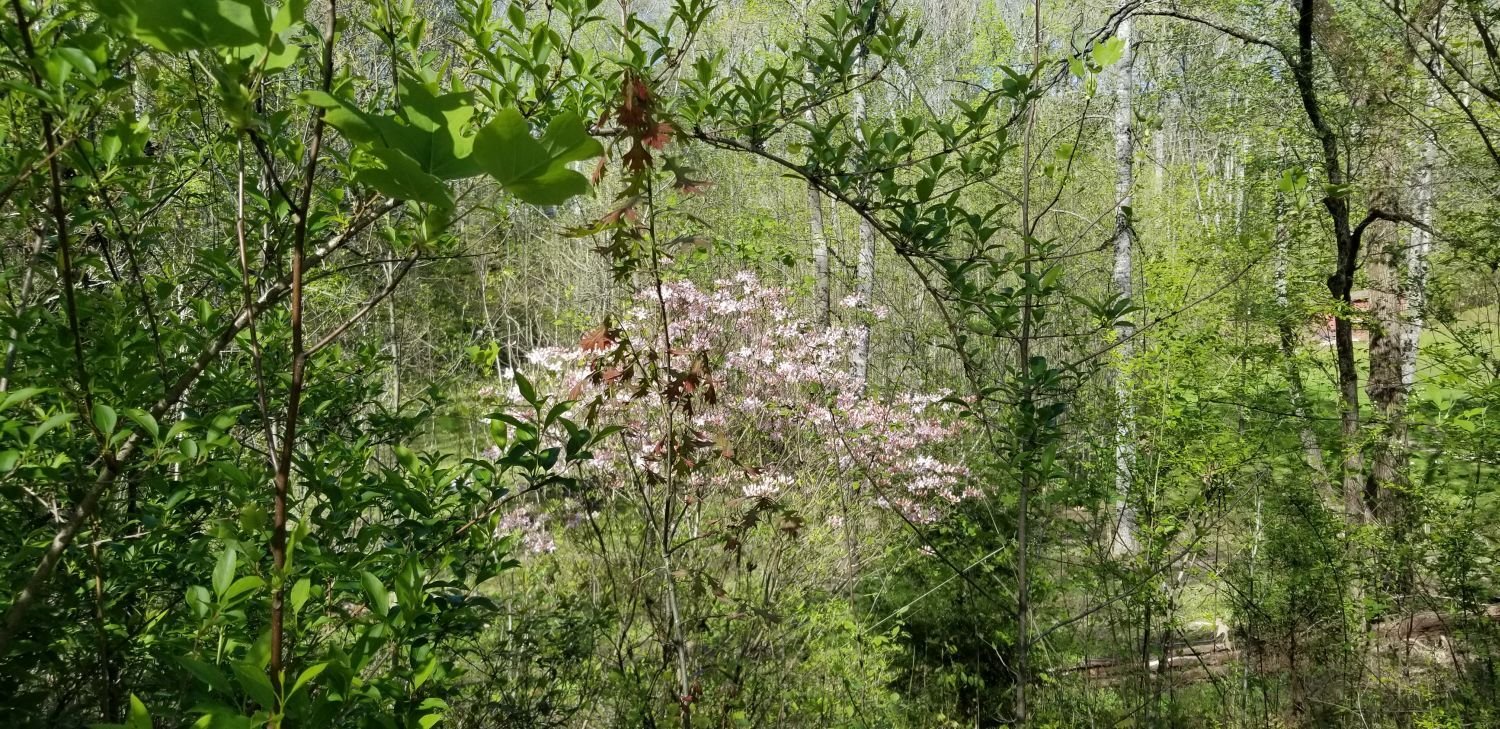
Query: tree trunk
[[1123, 541], [1417, 255], [1385, 387], [864, 277], [824, 291], [1341, 281], [391, 331]]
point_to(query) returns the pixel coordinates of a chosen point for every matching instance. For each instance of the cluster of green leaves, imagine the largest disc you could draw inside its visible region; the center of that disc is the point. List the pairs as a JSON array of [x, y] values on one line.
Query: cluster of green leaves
[[413, 151], [143, 450]]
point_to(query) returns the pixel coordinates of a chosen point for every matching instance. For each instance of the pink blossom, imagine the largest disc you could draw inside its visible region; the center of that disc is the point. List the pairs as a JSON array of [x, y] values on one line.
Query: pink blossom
[[530, 527], [787, 405]]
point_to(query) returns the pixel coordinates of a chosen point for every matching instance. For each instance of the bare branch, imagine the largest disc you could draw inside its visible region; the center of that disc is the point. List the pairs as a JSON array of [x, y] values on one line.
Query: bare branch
[[369, 305]]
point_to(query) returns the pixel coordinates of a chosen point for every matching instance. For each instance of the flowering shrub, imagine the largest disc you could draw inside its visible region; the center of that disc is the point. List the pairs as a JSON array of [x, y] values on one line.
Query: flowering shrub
[[530, 528], [751, 400]]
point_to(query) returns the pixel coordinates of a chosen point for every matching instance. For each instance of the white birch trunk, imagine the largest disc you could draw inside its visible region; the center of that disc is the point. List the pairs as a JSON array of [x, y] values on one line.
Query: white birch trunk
[[864, 276], [1417, 255], [1123, 540]]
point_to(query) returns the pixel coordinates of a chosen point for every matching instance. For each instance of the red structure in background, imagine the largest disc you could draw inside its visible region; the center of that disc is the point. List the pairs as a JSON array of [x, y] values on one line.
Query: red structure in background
[[1361, 301]]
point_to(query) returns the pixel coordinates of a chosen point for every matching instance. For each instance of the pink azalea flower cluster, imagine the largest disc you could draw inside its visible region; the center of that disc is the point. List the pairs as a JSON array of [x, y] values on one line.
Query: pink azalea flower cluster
[[768, 399], [530, 526]]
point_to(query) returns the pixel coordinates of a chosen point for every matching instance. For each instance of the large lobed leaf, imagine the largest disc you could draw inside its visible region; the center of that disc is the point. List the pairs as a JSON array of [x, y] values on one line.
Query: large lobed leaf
[[412, 152]]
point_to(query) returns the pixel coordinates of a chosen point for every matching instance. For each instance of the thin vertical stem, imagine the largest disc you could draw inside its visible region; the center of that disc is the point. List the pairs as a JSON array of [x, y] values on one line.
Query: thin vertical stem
[[1023, 367], [262, 400], [282, 481]]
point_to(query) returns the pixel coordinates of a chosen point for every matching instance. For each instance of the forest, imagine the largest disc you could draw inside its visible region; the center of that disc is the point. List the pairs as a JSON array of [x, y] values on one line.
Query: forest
[[841, 364]]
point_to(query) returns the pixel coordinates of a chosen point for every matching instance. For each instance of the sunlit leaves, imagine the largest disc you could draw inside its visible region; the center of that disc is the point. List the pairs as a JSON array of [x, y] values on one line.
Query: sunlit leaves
[[379, 598], [413, 152], [105, 418], [137, 717], [535, 170], [1109, 52], [245, 29], [175, 26]]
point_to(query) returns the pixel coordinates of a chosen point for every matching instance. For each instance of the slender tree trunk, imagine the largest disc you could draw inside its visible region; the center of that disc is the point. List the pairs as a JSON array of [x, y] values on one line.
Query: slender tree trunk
[[20, 306], [823, 297], [1022, 669], [1159, 151], [282, 479], [1123, 541], [1341, 281], [391, 331], [823, 291], [864, 277], [1417, 255]]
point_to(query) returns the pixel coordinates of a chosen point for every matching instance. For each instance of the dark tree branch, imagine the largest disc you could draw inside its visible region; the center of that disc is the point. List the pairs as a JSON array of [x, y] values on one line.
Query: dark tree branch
[[1235, 33], [283, 471]]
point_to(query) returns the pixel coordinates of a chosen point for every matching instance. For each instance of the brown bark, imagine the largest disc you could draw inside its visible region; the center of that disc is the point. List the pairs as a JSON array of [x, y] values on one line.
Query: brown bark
[[1346, 246], [1385, 387]]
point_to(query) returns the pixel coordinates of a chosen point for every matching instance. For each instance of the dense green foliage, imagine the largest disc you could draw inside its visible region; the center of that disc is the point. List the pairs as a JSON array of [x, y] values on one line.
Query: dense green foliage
[[994, 363]]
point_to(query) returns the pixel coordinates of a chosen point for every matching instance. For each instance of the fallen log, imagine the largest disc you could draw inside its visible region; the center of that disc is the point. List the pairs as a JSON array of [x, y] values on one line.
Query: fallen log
[[1428, 623], [1202, 659]]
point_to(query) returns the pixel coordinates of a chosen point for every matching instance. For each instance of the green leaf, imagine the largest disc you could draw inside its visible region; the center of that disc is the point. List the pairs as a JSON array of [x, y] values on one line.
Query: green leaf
[[48, 424], [535, 170], [394, 174], [78, 59], [429, 720], [224, 572], [199, 600], [208, 674], [300, 593], [241, 586], [354, 124], [1110, 51], [19, 396], [147, 423], [138, 718], [185, 25], [434, 131], [410, 153], [105, 418], [380, 599], [289, 13], [255, 682], [218, 716], [556, 412], [178, 428], [310, 673], [526, 388], [424, 674], [406, 458]]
